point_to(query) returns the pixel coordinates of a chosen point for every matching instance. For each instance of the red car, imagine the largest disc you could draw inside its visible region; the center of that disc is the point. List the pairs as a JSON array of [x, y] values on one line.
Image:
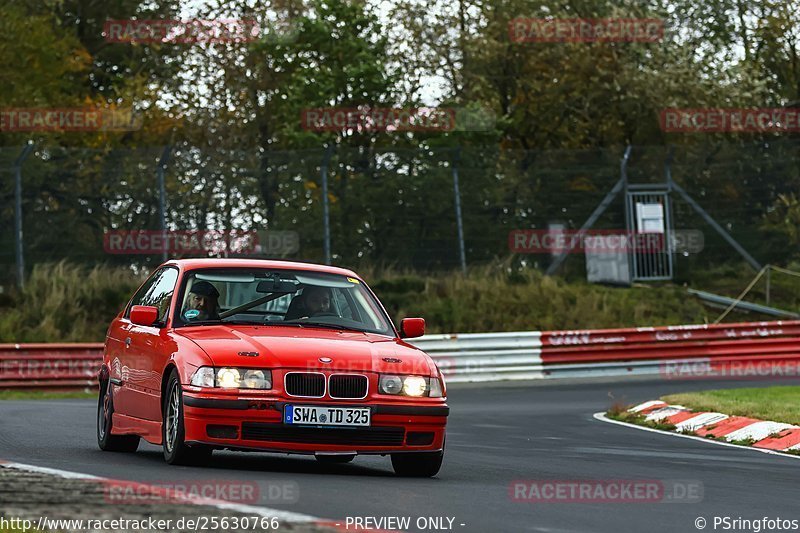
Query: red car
[[268, 356]]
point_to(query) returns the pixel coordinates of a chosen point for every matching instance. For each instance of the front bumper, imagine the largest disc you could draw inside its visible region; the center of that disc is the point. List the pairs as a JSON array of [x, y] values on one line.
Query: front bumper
[[257, 424]]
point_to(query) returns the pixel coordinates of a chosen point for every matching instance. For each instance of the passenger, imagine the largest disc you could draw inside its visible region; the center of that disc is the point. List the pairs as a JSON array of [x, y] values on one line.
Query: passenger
[[314, 301], [317, 300]]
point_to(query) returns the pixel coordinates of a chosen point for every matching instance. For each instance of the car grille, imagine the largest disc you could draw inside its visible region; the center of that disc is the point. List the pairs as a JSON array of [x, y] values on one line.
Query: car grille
[[352, 386], [371, 436], [305, 384]]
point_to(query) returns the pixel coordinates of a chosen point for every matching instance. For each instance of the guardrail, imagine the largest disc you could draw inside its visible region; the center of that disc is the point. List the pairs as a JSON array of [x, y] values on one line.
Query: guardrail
[[674, 352], [49, 366]]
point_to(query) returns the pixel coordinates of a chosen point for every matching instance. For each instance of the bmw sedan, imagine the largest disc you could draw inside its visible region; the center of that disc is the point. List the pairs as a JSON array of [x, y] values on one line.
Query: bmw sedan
[[272, 356]]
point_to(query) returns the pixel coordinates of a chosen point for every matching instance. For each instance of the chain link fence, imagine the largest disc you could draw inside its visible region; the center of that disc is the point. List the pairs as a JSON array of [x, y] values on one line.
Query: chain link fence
[[386, 207]]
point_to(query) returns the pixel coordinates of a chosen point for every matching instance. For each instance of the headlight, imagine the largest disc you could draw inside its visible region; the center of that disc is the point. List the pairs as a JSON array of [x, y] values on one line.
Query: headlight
[[232, 378], [204, 377], [414, 386], [257, 379], [229, 378], [391, 384]]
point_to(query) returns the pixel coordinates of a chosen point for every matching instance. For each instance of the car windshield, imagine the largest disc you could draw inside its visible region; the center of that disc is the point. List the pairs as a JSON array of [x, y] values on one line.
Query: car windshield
[[279, 297]]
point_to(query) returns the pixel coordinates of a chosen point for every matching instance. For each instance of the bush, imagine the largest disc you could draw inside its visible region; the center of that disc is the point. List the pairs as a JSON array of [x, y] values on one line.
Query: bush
[[64, 302], [493, 298]]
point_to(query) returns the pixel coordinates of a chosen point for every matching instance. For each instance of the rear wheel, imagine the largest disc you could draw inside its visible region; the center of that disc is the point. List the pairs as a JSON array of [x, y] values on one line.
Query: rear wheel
[[105, 409], [334, 459], [176, 452], [417, 464]]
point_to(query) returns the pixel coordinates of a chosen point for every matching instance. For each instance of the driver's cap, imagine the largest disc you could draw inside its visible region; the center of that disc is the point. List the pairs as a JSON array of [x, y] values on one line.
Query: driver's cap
[[204, 288]]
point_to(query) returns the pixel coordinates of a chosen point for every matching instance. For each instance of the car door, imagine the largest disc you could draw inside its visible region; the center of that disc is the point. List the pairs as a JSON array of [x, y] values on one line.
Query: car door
[[147, 348]]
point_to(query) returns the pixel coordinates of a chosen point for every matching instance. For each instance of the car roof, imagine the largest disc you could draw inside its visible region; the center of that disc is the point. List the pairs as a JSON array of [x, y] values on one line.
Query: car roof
[[194, 264]]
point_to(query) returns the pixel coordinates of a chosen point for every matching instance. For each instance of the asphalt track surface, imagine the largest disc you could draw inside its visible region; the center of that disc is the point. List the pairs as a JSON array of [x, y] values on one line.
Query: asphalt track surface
[[497, 434]]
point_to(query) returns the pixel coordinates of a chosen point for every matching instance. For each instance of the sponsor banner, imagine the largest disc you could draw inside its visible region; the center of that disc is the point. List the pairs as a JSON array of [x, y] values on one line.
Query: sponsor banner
[[730, 120], [606, 491], [585, 30], [68, 119], [194, 31]]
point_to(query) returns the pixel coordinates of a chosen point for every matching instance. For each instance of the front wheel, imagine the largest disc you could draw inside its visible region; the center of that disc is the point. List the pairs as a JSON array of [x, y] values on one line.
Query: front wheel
[[105, 410], [176, 452], [417, 464]]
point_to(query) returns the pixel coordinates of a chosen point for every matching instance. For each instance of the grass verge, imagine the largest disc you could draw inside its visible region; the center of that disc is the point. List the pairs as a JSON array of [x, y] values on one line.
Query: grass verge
[[45, 395], [779, 404], [621, 413]]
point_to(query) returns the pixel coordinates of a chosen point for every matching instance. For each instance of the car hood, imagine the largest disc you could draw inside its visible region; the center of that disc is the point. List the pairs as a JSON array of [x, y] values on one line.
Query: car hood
[[295, 348]]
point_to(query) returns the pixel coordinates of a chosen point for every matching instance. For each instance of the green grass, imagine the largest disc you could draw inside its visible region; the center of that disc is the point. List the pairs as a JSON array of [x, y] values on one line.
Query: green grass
[[40, 395], [63, 302], [622, 415], [779, 404]]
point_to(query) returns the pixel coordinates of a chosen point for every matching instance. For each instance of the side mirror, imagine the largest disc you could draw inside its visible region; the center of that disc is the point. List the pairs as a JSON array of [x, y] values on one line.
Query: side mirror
[[412, 327], [144, 315]]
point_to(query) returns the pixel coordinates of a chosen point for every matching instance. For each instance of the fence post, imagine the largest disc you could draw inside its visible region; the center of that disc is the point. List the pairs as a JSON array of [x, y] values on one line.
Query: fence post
[[459, 221], [769, 270], [162, 198], [326, 222], [18, 241]]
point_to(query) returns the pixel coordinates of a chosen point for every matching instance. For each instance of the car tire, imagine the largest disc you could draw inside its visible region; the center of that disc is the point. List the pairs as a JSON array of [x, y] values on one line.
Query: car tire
[[176, 451], [417, 464], [335, 459], [105, 409]]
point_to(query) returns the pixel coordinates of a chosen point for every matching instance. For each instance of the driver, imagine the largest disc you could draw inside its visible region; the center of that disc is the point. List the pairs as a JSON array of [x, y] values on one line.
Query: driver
[[316, 300], [203, 298]]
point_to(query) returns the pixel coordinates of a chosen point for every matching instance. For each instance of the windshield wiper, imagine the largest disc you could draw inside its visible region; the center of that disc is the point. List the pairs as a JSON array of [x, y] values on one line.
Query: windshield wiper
[[220, 321], [330, 326]]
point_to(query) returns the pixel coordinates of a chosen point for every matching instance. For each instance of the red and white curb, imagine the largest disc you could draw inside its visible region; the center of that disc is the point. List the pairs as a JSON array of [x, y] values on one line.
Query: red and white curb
[[285, 517], [768, 437]]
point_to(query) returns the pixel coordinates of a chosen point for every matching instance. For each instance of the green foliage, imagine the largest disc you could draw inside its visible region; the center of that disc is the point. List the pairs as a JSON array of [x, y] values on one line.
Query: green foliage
[[66, 303], [492, 298]]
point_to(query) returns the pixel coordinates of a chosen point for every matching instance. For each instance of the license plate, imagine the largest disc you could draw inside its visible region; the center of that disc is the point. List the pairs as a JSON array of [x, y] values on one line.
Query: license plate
[[312, 415]]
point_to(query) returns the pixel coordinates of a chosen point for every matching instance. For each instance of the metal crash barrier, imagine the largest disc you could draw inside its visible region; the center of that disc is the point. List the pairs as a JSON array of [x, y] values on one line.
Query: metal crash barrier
[[749, 349]]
